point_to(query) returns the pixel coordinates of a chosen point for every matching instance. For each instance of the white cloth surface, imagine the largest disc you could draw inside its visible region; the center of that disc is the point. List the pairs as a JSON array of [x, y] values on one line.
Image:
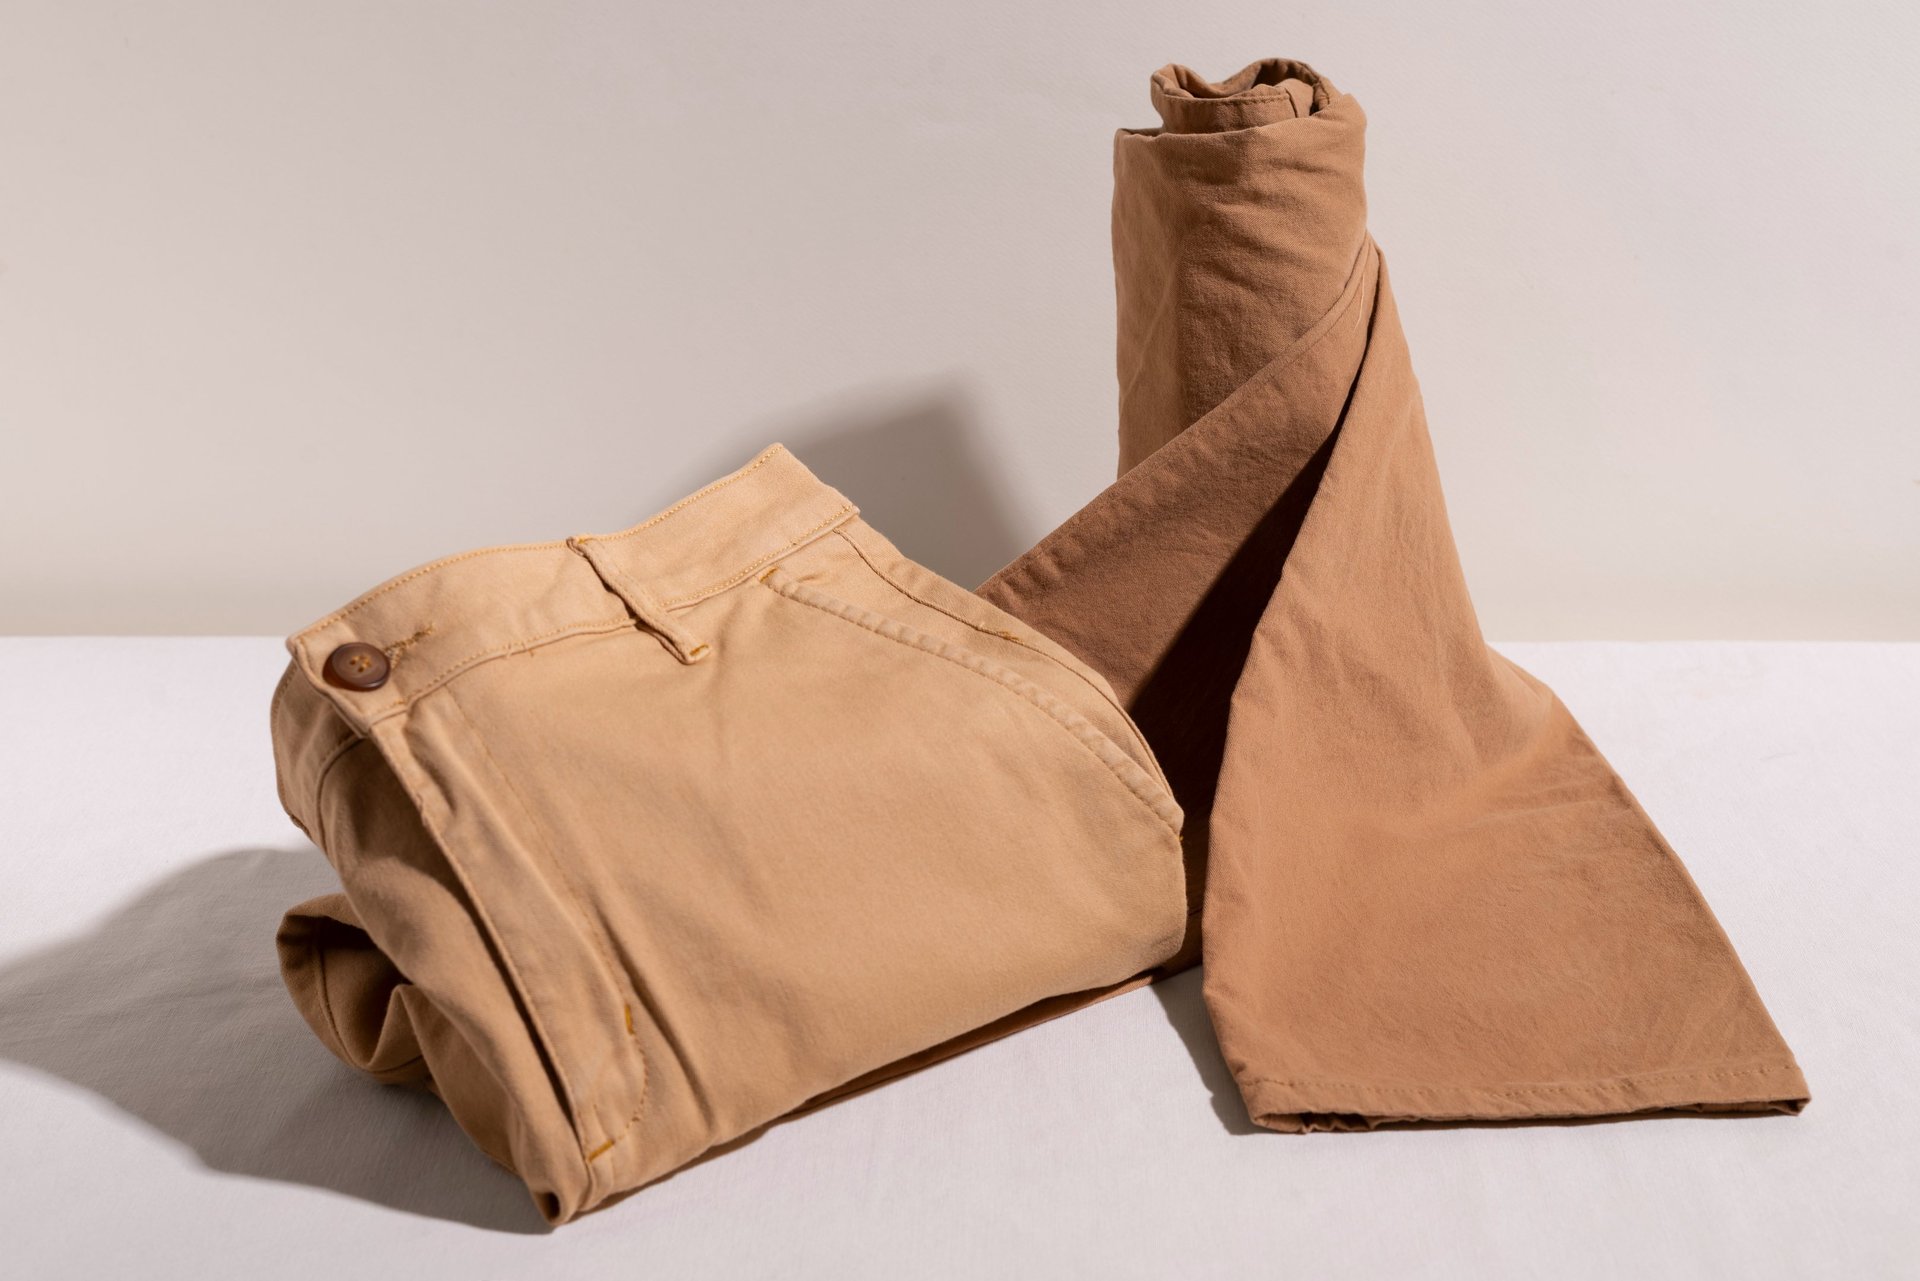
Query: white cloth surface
[[165, 1112]]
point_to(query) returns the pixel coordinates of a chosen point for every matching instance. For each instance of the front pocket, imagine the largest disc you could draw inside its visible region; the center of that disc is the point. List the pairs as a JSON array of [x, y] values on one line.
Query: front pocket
[[1151, 791], [947, 608]]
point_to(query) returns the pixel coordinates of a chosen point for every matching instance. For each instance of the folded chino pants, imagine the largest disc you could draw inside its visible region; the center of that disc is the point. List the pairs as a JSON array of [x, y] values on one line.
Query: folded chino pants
[[651, 837]]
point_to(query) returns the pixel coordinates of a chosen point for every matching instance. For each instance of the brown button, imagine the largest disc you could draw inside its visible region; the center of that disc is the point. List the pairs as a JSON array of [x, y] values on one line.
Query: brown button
[[357, 665]]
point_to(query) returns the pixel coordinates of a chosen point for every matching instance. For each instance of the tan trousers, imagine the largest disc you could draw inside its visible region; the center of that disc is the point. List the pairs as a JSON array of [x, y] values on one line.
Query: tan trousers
[[649, 838], [1426, 894]]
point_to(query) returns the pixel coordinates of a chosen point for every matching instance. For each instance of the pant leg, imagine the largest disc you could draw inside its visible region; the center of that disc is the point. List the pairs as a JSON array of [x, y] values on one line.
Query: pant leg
[[1426, 893]]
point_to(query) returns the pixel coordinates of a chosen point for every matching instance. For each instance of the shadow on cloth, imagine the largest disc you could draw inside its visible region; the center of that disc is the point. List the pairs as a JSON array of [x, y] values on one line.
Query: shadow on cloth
[[172, 1009]]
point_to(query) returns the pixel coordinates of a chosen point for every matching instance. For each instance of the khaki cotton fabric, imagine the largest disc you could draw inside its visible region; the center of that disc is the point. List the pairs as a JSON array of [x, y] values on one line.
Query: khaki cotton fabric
[[654, 836], [1426, 894]]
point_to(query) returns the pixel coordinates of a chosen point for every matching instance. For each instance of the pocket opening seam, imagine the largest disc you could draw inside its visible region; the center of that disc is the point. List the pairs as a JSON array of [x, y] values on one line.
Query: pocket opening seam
[[1124, 768], [892, 581]]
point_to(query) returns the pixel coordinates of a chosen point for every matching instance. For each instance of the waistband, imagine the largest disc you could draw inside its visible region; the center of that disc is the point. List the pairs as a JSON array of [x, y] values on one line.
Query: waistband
[[440, 618]]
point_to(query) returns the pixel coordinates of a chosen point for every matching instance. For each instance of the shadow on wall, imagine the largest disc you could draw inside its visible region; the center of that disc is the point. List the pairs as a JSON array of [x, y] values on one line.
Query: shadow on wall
[[173, 1009], [916, 469]]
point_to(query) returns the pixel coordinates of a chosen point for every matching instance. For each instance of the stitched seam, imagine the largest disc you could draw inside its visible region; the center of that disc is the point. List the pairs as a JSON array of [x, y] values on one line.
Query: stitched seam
[[279, 692], [1104, 697], [649, 609], [333, 756], [548, 545], [759, 562], [590, 626], [1558, 1087], [1082, 731], [441, 843], [622, 986]]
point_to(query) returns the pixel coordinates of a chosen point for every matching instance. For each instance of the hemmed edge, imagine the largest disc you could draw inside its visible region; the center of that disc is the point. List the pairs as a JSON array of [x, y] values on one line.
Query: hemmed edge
[[1298, 1107]]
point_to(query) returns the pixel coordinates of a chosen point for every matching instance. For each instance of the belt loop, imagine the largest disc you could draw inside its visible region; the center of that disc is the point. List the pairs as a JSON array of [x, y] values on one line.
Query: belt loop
[[686, 647]]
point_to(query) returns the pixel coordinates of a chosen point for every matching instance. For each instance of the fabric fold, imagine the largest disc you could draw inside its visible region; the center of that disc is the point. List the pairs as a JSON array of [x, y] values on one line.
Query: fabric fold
[[1427, 895]]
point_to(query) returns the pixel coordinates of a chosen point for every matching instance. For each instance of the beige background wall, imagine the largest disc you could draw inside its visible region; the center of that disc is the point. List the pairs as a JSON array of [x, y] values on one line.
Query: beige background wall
[[294, 297]]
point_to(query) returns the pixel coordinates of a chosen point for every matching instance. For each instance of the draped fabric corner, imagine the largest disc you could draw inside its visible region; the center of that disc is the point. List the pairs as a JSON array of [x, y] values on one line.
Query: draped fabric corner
[[1426, 895]]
